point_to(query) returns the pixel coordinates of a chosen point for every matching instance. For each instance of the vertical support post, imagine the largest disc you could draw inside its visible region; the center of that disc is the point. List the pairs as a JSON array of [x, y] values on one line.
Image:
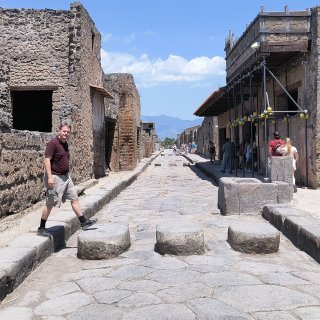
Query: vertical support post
[[235, 113], [251, 129], [265, 118], [274, 105], [242, 133], [304, 62], [288, 115], [258, 129]]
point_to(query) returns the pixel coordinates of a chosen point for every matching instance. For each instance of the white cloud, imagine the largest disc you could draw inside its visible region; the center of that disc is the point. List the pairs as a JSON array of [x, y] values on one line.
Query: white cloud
[[174, 69], [106, 37], [125, 39]]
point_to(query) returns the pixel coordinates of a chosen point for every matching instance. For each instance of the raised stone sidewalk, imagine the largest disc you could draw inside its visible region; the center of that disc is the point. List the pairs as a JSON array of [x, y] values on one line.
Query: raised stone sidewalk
[[22, 254], [300, 226], [299, 221]]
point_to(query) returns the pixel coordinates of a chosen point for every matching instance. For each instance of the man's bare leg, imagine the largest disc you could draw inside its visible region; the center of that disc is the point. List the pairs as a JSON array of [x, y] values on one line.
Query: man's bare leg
[[76, 208]]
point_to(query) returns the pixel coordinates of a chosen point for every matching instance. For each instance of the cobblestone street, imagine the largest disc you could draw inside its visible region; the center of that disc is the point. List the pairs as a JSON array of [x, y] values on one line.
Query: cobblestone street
[[142, 284]]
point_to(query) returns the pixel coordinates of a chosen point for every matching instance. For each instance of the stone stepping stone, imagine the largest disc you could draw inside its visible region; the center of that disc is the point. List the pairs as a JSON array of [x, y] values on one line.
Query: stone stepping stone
[[104, 242], [253, 237], [180, 239]]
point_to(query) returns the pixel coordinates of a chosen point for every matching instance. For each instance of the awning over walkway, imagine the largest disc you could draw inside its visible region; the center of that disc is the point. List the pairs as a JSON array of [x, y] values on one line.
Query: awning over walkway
[[216, 104], [102, 91]]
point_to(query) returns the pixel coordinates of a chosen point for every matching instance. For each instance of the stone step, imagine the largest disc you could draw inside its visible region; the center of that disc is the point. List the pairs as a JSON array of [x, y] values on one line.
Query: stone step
[[299, 226], [103, 241], [179, 239], [253, 237]]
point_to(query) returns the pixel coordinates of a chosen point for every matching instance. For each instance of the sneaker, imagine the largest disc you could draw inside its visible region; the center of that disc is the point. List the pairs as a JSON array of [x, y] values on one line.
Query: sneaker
[[43, 232], [88, 223]]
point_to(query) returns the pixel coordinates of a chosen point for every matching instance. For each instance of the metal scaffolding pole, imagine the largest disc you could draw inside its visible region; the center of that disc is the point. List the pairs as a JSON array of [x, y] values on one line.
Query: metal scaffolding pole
[[265, 118], [251, 129], [304, 62]]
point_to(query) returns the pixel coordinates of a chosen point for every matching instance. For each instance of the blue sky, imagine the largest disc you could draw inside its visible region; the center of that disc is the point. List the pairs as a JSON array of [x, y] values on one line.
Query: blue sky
[[173, 48]]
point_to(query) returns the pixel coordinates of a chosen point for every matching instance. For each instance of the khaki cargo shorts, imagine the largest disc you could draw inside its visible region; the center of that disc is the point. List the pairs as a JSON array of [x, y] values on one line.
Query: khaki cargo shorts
[[63, 190]]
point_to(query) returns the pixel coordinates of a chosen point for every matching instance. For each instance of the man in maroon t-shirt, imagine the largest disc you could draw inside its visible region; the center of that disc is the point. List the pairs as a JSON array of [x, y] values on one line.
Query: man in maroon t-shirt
[[273, 144], [58, 183]]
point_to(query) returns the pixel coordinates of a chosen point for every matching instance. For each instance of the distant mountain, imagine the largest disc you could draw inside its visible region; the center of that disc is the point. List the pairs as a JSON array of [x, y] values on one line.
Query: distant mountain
[[167, 126]]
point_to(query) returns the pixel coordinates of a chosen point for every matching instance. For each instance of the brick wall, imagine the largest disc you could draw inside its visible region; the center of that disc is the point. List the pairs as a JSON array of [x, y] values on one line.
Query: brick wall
[[126, 151]]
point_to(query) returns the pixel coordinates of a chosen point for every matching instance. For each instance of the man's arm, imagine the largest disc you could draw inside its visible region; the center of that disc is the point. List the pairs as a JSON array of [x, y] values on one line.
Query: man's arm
[[47, 166]]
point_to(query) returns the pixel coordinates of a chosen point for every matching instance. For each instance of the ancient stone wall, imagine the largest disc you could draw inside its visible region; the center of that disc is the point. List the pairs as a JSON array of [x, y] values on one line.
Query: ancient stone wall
[[55, 50], [189, 135], [147, 144], [84, 70], [208, 131], [126, 151], [21, 169]]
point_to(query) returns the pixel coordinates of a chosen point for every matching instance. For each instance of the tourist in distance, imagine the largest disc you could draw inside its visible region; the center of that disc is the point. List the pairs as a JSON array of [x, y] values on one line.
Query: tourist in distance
[[212, 152], [292, 152], [249, 155], [275, 144], [58, 183], [273, 148], [226, 154]]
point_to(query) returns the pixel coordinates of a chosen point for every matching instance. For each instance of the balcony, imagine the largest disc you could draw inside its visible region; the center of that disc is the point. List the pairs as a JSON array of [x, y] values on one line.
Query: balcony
[[278, 37]]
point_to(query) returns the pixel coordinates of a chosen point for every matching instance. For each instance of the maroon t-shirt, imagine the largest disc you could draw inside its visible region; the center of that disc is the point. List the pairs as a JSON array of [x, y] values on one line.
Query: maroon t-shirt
[[273, 144], [59, 153]]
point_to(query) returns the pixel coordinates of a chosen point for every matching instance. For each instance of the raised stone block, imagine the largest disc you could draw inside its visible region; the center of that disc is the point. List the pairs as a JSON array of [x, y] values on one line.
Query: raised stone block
[[248, 195], [285, 191], [179, 239], [281, 169], [253, 237], [104, 242]]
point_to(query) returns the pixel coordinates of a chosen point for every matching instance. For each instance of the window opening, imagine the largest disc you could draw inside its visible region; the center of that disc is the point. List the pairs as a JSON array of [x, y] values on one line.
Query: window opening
[[32, 110], [92, 40]]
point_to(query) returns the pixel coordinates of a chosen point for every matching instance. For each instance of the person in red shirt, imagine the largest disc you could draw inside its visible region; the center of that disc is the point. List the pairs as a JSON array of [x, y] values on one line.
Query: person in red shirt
[[273, 144], [58, 183]]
